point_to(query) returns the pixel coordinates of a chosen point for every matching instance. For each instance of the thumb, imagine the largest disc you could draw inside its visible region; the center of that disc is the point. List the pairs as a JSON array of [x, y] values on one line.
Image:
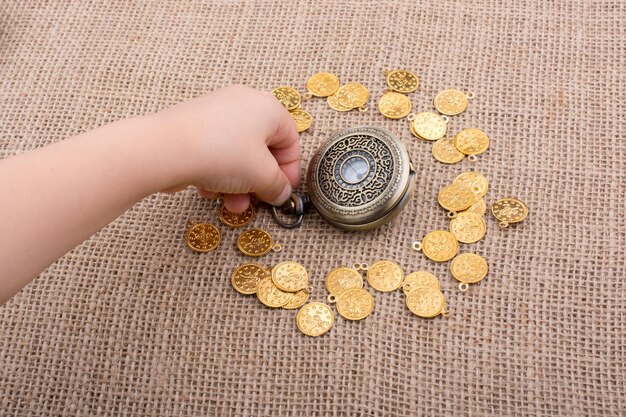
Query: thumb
[[272, 185]]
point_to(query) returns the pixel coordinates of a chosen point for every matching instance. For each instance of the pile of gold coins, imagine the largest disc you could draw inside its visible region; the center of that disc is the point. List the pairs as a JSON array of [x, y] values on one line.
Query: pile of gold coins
[[291, 99]]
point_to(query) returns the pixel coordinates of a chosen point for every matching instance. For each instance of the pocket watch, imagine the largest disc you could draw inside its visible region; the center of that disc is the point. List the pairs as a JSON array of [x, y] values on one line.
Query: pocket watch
[[358, 179]]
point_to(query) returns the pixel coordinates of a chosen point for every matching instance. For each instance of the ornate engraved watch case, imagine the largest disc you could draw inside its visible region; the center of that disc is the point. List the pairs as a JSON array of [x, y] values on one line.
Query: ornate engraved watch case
[[359, 179]]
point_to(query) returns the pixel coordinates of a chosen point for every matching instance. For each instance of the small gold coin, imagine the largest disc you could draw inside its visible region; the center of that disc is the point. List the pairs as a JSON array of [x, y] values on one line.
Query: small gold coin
[[385, 276], [315, 319], [509, 210], [270, 295], [394, 105], [288, 97], [334, 104], [468, 227], [352, 95], [402, 81], [302, 118], [290, 276], [456, 197], [445, 151], [426, 302], [479, 207], [246, 278], [237, 219], [297, 300], [475, 181], [343, 278], [429, 126], [471, 141], [255, 242], [202, 237], [354, 304], [451, 102], [469, 268], [322, 84], [420, 279], [439, 245]]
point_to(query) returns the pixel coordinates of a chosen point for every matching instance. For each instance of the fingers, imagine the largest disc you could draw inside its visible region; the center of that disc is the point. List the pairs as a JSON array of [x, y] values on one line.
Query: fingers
[[204, 193], [271, 183], [236, 203]]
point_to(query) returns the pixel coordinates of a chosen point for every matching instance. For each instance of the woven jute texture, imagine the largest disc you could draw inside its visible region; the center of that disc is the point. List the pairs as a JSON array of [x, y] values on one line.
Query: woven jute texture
[[132, 323]]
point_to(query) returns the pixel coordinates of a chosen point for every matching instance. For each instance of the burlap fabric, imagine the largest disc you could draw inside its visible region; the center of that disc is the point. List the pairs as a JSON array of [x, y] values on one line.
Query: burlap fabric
[[133, 323]]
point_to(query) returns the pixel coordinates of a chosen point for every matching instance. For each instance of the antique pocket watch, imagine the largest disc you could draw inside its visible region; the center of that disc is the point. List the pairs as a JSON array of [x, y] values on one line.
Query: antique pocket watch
[[359, 179]]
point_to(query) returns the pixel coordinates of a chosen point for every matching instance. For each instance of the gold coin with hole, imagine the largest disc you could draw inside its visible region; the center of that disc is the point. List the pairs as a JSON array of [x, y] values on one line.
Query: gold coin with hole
[[297, 300], [479, 207], [322, 84], [302, 119], [352, 95], [270, 295], [429, 126], [420, 279], [255, 242], [426, 302], [475, 181], [246, 278], [334, 104], [242, 219], [510, 210], [315, 319], [290, 276], [343, 278], [469, 268], [471, 141], [385, 276], [451, 102], [445, 151], [202, 237], [394, 105], [440, 246], [402, 81], [355, 304], [456, 197], [288, 97], [468, 227]]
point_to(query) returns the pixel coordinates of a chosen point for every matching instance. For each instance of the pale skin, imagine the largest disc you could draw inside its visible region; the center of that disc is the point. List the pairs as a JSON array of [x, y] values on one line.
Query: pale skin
[[235, 141]]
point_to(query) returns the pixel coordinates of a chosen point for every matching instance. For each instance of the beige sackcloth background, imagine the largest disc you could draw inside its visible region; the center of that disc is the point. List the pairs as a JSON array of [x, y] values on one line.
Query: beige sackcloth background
[[132, 323]]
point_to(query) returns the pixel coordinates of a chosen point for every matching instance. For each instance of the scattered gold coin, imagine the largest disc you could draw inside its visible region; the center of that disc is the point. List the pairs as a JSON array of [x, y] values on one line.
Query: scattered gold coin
[[237, 219], [385, 276], [468, 268], [352, 95], [420, 279], [452, 102], [456, 197], [302, 119], [426, 302], [394, 105], [202, 237], [297, 300], [439, 246], [509, 210], [343, 278], [246, 278], [429, 125], [322, 84], [471, 142], [270, 295], [288, 97], [290, 276], [315, 319], [475, 181], [256, 242], [402, 81], [468, 227], [333, 102], [354, 303], [479, 207], [445, 151]]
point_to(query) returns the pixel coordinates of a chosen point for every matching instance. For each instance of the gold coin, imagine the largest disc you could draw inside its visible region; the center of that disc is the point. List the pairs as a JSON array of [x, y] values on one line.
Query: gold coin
[[429, 126], [475, 181], [445, 151], [420, 279], [471, 141], [402, 81], [426, 302], [246, 278], [315, 319], [290, 276], [468, 227], [343, 278], [297, 300], [270, 295], [352, 95], [469, 268], [451, 102], [385, 276], [322, 84], [355, 304], [456, 197], [334, 104], [202, 237], [440, 246], [394, 105], [479, 207], [509, 210], [237, 219], [255, 242], [302, 118], [288, 97]]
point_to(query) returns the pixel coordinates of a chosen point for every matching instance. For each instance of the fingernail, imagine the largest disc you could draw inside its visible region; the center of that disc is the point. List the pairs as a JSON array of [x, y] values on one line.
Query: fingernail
[[284, 196]]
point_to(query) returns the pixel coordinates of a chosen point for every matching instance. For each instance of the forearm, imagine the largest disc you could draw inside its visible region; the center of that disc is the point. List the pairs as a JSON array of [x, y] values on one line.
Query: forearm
[[55, 197]]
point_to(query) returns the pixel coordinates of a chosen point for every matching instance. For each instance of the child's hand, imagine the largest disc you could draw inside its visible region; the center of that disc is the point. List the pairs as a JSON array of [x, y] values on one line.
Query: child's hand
[[236, 140]]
